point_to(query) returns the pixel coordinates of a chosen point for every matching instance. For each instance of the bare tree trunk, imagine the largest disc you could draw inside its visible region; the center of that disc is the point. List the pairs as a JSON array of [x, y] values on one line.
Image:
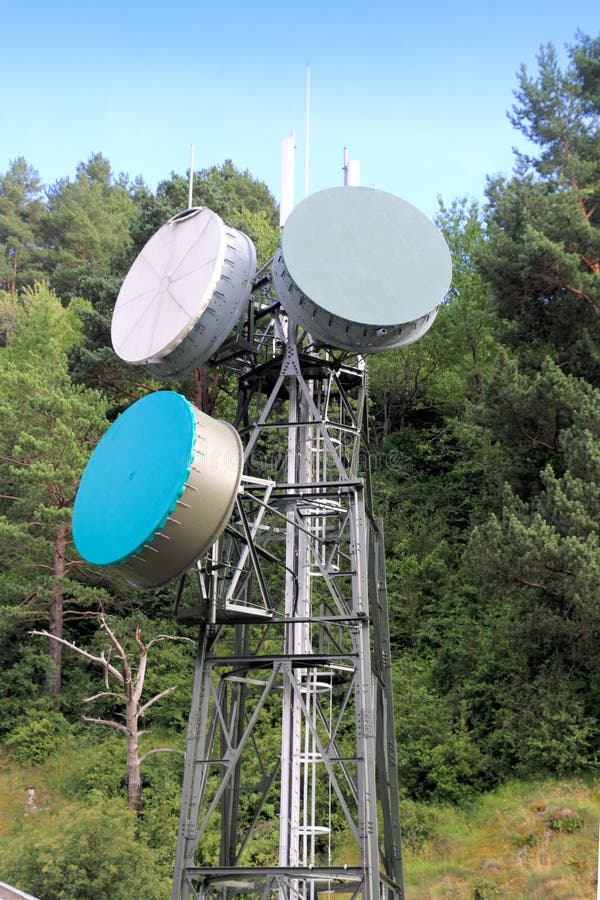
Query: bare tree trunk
[[205, 397], [134, 776], [130, 686], [200, 397], [55, 616]]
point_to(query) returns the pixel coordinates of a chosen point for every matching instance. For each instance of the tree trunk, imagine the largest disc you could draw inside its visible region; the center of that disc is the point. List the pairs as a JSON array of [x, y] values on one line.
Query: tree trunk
[[206, 393], [134, 777], [13, 284], [55, 616]]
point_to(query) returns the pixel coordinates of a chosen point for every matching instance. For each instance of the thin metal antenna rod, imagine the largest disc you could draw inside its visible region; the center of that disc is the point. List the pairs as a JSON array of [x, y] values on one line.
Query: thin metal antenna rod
[[307, 132], [191, 179], [288, 157]]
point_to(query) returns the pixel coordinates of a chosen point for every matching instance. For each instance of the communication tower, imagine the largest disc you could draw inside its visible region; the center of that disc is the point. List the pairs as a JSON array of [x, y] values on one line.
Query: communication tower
[[290, 784]]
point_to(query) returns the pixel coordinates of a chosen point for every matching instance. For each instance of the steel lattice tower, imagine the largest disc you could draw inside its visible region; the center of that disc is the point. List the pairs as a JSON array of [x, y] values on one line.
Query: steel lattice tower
[[290, 784]]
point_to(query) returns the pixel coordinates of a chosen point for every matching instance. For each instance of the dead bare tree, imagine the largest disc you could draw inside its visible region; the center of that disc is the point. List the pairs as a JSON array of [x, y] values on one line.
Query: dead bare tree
[[129, 685]]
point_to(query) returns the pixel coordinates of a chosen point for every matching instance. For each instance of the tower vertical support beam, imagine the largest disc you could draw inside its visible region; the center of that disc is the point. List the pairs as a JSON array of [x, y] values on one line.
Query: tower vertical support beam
[[365, 703], [292, 711], [194, 772], [387, 756]]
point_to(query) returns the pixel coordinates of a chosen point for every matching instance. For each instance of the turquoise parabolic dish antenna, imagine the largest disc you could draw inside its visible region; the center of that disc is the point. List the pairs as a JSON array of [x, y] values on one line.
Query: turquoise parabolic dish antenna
[[134, 478]]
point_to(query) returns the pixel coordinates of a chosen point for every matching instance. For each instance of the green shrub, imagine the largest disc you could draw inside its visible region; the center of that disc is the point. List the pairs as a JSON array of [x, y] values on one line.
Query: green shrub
[[31, 742], [418, 824], [437, 757], [566, 821], [85, 852]]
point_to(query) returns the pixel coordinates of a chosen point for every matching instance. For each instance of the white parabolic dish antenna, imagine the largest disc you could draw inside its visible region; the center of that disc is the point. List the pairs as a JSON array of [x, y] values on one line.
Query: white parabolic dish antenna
[[361, 269], [184, 294]]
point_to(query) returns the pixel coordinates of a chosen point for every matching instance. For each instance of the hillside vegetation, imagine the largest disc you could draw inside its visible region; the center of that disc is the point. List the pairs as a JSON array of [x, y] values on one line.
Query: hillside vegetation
[[536, 839], [486, 464]]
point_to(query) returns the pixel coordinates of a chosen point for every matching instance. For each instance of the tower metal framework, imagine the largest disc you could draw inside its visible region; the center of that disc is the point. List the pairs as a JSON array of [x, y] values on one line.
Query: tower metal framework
[[290, 782]]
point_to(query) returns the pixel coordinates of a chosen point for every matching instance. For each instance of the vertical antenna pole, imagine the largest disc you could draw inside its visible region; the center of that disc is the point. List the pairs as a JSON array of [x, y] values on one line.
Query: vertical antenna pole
[[286, 197], [307, 132], [191, 180]]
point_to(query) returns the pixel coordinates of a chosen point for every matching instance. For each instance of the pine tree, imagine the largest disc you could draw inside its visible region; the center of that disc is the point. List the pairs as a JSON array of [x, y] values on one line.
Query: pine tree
[[542, 258], [22, 210], [48, 429]]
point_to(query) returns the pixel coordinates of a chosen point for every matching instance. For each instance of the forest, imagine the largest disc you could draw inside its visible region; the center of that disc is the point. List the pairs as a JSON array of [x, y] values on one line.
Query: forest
[[486, 466]]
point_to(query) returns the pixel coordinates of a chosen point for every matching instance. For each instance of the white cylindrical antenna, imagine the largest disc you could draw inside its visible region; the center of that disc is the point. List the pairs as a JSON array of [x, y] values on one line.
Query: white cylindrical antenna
[[351, 171], [191, 179], [353, 176], [288, 159], [307, 132]]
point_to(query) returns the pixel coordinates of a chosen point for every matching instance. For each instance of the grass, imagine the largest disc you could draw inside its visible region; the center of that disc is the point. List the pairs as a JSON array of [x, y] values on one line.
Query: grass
[[521, 841]]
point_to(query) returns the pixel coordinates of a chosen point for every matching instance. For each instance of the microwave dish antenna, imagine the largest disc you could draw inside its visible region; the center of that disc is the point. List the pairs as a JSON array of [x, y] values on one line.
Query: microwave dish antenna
[[184, 294], [158, 490], [361, 269]]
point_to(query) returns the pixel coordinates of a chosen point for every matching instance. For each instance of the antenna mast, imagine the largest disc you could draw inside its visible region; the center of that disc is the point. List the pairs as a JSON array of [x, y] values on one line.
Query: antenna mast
[[191, 178], [288, 157], [307, 131]]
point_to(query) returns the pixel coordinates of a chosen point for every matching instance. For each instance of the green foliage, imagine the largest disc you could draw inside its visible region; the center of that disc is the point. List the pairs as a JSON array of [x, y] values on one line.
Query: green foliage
[[95, 770], [49, 427], [84, 851], [542, 256], [24, 670], [539, 564], [32, 741], [437, 758], [505, 844], [21, 219], [88, 221], [566, 821], [418, 824], [241, 200]]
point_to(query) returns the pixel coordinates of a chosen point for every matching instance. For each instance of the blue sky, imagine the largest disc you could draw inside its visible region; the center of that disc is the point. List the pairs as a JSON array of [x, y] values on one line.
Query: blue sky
[[417, 90]]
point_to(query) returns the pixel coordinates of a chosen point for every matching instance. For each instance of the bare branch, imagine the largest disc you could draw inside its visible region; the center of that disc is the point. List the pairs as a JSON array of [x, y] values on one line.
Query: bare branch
[[578, 293], [162, 694], [106, 722], [168, 637], [159, 750], [100, 660], [104, 694], [126, 671], [537, 586], [139, 642], [141, 672]]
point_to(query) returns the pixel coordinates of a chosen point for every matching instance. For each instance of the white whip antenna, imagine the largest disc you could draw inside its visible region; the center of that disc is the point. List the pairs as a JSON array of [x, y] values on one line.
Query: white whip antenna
[[307, 131], [191, 179], [288, 160]]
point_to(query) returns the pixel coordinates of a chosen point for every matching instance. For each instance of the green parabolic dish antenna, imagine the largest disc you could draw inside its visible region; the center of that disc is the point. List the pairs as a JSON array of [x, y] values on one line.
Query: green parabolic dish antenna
[[361, 257]]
